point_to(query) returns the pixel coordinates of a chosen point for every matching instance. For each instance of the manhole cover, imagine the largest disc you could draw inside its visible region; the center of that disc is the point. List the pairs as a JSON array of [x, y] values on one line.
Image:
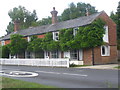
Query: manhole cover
[[18, 73]]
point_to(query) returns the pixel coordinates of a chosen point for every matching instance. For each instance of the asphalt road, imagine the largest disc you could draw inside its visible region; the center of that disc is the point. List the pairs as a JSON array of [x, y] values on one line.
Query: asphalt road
[[69, 77]]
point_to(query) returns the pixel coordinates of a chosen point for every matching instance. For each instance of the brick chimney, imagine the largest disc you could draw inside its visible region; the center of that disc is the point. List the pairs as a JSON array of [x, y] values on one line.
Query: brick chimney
[[16, 25], [87, 12], [54, 16]]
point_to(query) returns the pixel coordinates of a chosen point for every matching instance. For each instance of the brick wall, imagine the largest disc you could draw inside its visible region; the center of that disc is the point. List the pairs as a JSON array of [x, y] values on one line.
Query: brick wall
[[41, 36], [112, 28], [98, 59], [87, 56], [7, 42]]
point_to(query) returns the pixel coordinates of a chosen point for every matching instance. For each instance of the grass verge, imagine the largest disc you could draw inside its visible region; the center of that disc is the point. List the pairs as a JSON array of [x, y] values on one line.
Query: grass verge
[[118, 67], [73, 65], [13, 83]]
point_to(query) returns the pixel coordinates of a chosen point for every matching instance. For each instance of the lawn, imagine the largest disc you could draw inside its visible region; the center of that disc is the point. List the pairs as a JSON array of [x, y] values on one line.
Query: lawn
[[74, 65], [13, 83], [118, 67]]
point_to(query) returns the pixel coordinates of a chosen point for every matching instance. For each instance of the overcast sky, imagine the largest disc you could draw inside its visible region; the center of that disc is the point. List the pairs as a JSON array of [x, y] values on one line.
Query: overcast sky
[[43, 8]]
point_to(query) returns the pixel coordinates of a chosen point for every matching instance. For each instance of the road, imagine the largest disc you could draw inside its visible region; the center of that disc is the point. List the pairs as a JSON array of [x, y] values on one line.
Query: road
[[69, 77]]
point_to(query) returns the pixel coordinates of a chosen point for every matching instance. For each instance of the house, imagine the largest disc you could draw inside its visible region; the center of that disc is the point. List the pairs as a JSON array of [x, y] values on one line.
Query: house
[[99, 55]]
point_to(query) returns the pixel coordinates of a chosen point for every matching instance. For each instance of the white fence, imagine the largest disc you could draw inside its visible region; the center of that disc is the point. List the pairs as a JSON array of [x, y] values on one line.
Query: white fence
[[36, 62]]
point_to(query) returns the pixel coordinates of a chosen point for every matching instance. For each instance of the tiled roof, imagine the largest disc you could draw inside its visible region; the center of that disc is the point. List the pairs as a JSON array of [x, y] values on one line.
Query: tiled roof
[[81, 21]]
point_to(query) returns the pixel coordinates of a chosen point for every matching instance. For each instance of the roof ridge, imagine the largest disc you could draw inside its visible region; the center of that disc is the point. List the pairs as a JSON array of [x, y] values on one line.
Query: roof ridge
[[80, 21]]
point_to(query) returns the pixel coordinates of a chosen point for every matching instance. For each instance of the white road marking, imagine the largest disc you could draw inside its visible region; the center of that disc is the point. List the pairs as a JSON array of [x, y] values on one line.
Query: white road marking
[[72, 74], [75, 74], [16, 74], [49, 72]]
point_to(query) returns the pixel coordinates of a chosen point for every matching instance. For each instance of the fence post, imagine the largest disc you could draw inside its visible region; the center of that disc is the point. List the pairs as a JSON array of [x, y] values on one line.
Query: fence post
[[68, 63]]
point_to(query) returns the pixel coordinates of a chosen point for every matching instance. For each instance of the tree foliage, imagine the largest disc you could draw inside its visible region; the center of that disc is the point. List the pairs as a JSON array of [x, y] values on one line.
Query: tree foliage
[[5, 51], [116, 18], [0, 51], [25, 18], [18, 44], [118, 24], [28, 19], [78, 10]]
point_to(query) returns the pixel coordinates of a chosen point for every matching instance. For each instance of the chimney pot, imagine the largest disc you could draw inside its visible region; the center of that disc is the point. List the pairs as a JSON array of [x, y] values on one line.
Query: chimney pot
[[16, 25], [54, 16], [87, 12]]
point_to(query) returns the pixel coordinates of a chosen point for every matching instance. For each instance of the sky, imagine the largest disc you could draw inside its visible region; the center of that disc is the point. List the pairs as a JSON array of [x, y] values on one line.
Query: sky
[[43, 8]]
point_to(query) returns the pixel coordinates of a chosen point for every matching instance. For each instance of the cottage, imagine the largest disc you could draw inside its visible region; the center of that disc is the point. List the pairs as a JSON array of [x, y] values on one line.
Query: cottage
[[98, 55]]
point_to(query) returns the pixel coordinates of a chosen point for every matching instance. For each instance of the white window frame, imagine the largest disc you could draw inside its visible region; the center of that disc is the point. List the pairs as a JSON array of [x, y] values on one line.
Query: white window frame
[[105, 37], [28, 39], [55, 53], [56, 37], [46, 54], [2, 43], [107, 50], [73, 53], [80, 54], [75, 30]]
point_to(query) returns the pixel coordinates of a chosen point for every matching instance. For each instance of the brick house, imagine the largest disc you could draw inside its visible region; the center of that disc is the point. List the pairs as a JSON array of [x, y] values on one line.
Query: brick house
[[99, 55]]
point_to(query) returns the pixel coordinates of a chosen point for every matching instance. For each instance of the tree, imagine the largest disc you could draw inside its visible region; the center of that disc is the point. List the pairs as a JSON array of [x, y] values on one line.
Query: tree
[[45, 21], [18, 44], [0, 51], [116, 18], [5, 51], [78, 10], [25, 18], [118, 24]]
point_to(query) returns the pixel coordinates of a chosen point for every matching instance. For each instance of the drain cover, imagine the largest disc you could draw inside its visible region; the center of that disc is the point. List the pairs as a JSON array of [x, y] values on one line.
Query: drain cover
[[18, 73]]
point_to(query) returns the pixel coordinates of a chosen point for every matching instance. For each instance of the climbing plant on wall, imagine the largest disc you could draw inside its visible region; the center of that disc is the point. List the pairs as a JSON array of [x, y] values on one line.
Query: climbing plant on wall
[[35, 44], [86, 37], [49, 44]]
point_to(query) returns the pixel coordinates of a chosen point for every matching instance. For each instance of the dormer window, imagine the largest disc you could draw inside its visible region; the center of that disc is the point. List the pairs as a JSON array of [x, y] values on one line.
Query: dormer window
[[105, 37], [56, 36], [75, 30], [2, 43]]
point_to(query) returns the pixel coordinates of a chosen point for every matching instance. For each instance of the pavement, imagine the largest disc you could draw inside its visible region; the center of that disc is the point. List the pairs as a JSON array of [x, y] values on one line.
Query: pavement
[[107, 66]]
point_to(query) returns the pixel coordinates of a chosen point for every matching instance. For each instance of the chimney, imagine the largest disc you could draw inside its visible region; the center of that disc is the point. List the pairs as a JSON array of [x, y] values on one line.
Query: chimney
[[16, 25], [87, 12], [54, 16]]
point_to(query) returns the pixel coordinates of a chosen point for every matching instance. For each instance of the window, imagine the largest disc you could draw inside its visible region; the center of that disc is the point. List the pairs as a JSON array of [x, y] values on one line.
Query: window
[[28, 39], [75, 30], [105, 37], [54, 54], [2, 43], [74, 54], [56, 36], [46, 54], [105, 50]]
